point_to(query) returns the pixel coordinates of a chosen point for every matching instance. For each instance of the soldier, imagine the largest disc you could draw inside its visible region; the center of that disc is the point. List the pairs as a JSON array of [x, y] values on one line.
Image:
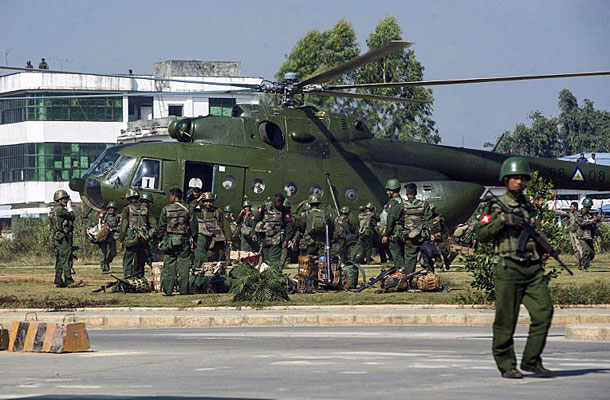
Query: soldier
[[214, 230], [135, 231], [108, 247], [416, 218], [312, 224], [288, 250], [394, 224], [43, 64], [439, 236], [146, 201], [574, 229], [178, 229], [587, 228], [518, 276], [344, 230], [61, 221], [28, 65], [367, 220], [277, 222], [246, 226], [234, 239]]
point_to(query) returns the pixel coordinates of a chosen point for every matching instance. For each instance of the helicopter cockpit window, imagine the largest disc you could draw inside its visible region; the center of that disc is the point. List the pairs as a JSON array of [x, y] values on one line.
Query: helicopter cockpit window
[[257, 185], [351, 195], [103, 164], [148, 175], [121, 171], [316, 189], [271, 134], [229, 182], [290, 188]]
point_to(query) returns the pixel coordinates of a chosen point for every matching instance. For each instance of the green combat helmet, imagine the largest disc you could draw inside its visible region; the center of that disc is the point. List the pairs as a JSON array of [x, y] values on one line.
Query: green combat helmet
[[208, 196], [111, 204], [287, 203], [370, 206], [229, 208], [60, 194], [344, 210], [587, 203], [392, 184], [132, 193], [245, 204], [314, 199], [147, 197], [515, 166]]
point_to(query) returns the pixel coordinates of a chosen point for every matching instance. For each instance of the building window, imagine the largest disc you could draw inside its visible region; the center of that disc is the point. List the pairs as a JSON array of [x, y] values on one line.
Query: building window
[[176, 110], [47, 161], [221, 106], [49, 109]]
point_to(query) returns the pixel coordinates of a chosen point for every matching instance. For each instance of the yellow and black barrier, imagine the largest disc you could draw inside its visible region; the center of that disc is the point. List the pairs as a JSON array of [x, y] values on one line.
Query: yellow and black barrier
[[48, 337]]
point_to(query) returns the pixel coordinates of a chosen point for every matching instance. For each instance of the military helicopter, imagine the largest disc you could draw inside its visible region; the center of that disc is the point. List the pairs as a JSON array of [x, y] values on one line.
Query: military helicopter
[[299, 150]]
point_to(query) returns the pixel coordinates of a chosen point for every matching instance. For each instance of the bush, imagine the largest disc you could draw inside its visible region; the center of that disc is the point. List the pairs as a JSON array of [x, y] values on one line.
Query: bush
[[264, 287], [591, 293]]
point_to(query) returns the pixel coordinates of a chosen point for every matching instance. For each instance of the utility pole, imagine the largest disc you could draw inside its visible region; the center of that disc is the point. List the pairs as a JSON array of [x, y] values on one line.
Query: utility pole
[[6, 53]]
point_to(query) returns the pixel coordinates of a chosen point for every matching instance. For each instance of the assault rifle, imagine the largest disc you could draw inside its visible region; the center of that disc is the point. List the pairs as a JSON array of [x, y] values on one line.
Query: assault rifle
[[378, 278], [527, 232], [329, 281], [123, 285]]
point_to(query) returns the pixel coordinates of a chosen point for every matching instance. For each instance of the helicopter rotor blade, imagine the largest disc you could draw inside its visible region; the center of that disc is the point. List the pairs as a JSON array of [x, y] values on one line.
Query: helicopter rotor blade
[[150, 78], [331, 93], [467, 80], [129, 94], [388, 48]]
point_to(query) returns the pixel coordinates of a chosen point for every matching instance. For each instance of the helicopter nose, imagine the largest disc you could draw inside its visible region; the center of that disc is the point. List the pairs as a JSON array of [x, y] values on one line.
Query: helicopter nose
[[77, 184]]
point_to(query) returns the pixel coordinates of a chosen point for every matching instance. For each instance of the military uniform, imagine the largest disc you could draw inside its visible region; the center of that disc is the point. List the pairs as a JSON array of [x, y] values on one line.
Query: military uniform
[[62, 227], [177, 226], [366, 231], [276, 224], [214, 231], [312, 224], [137, 229], [245, 223], [440, 231], [518, 277], [344, 230], [574, 229], [108, 246], [586, 227]]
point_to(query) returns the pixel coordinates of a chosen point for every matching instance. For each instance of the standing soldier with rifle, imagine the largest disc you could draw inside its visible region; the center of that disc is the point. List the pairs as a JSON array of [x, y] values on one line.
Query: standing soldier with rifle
[[108, 247], [586, 230], [214, 230], [178, 228], [246, 227], [574, 230], [518, 272], [62, 227], [439, 236], [277, 223], [344, 230], [367, 220], [150, 231], [312, 224], [135, 227]]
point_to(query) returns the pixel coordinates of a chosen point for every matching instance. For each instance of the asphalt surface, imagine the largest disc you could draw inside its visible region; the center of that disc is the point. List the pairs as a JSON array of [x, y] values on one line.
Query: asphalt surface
[[302, 362]]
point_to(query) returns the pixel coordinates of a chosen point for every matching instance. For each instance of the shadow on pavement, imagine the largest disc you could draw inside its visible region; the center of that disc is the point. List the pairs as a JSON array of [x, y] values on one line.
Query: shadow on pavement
[[107, 397], [578, 372]]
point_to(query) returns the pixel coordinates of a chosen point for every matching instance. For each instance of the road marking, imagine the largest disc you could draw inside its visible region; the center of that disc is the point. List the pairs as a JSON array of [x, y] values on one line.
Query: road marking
[[354, 372], [113, 354], [209, 368], [78, 386], [299, 362]]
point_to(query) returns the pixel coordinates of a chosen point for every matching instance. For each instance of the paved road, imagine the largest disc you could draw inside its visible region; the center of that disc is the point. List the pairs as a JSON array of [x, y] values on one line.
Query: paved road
[[303, 363]]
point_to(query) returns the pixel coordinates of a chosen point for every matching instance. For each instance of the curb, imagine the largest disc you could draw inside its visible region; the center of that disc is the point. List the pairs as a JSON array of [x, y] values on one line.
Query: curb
[[590, 332]]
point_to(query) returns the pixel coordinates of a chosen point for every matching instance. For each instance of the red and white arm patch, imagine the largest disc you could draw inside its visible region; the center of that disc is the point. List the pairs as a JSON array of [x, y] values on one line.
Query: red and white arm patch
[[485, 219], [287, 218], [390, 205]]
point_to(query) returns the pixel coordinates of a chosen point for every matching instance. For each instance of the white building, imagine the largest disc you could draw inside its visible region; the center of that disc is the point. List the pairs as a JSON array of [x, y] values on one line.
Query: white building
[[46, 142]]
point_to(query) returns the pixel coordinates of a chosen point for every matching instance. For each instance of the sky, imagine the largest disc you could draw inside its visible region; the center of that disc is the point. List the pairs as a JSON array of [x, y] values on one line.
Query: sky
[[453, 39]]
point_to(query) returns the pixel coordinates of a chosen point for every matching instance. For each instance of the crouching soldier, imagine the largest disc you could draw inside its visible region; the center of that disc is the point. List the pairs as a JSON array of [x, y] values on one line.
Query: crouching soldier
[[62, 226], [178, 228]]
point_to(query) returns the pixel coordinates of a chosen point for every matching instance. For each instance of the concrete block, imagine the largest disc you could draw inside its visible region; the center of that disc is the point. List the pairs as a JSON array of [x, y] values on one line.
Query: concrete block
[[193, 321], [336, 319], [590, 332], [122, 321], [158, 321]]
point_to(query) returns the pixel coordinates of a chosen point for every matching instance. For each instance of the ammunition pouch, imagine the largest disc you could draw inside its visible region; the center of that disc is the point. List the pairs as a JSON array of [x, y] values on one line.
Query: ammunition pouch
[[132, 239]]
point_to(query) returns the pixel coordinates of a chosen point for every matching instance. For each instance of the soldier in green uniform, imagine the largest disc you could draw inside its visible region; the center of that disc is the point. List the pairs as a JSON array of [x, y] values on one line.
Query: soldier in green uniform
[[518, 276], [408, 225], [214, 230], [136, 230], [234, 239], [61, 221], [246, 227], [574, 230], [178, 229], [312, 228], [108, 247], [367, 220], [288, 250], [586, 230], [439, 235], [344, 230], [146, 201], [277, 222]]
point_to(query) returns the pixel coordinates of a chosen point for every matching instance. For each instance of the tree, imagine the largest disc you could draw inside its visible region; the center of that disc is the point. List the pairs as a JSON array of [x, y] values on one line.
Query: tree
[[393, 119], [576, 129]]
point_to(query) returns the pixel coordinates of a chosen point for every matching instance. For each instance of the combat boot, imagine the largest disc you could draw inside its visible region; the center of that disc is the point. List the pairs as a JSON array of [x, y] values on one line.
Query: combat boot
[[512, 373], [538, 370]]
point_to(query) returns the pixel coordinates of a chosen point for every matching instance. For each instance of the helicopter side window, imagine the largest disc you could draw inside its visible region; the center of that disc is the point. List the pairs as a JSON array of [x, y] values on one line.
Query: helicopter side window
[[229, 182], [103, 164], [290, 188], [351, 195], [121, 171], [316, 189], [147, 176], [257, 185]]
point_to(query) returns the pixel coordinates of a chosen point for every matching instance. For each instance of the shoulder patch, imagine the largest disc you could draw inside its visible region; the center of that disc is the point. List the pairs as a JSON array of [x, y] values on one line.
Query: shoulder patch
[[485, 219]]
